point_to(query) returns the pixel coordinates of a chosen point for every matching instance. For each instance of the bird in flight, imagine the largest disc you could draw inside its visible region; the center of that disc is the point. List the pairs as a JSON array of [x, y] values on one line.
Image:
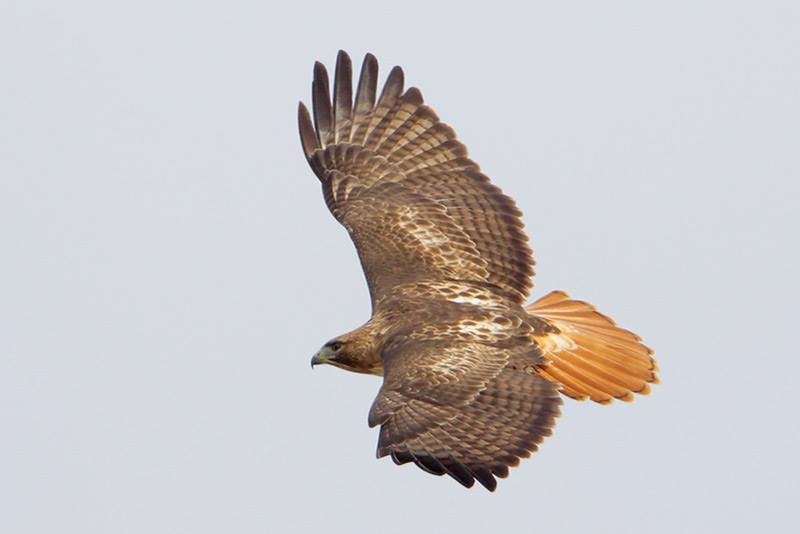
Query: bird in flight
[[472, 375]]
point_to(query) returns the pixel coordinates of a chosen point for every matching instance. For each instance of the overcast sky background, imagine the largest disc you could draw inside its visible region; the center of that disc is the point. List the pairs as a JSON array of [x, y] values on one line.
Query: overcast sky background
[[168, 266]]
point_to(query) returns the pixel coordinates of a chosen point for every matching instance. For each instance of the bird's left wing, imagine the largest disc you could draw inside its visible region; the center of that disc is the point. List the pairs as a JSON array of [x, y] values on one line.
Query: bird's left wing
[[416, 207], [463, 409]]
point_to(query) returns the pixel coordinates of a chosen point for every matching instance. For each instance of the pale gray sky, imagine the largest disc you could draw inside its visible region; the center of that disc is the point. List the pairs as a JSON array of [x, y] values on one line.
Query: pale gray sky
[[168, 265]]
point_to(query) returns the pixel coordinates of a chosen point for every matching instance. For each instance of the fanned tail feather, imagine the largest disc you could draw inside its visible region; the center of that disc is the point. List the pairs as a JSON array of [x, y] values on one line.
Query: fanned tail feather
[[590, 357]]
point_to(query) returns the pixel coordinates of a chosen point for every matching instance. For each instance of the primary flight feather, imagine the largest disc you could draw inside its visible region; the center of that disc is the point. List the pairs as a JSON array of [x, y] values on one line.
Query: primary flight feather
[[472, 377]]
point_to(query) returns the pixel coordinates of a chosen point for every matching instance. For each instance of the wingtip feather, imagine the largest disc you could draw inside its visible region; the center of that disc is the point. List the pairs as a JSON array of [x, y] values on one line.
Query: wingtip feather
[[308, 137], [393, 86], [323, 111], [343, 96], [367, 85]]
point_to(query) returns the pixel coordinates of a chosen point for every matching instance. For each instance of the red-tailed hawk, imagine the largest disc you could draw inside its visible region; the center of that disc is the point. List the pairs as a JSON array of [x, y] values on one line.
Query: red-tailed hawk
[[472, 377]]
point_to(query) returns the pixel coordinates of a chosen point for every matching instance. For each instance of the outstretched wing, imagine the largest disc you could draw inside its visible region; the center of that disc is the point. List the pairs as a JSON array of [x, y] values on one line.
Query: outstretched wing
[[464, 409], [396, 177]]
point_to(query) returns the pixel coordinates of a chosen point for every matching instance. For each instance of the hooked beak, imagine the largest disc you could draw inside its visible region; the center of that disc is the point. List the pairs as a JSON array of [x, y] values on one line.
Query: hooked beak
[[323, 356]]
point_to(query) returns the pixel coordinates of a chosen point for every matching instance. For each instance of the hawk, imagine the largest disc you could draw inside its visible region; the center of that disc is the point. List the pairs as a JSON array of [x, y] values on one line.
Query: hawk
[[472, 376]]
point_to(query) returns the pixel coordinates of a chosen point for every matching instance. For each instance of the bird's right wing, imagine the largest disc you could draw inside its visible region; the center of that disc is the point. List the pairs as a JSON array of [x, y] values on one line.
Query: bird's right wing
[[464, 409]]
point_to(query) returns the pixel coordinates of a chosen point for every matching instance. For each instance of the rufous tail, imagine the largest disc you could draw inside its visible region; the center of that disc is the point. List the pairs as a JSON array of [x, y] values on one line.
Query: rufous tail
[[590, 356]]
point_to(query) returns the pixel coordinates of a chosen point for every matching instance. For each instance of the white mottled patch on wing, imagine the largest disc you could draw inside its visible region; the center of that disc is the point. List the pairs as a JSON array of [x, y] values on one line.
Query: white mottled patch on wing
[[450, 367], [428, 234], [430, 237], [452, 364], [480, 328], [461, 293], [466, 299]]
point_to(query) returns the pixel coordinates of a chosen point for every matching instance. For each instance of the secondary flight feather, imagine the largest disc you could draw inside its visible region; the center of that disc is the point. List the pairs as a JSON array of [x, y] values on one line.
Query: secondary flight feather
[[472, 377]]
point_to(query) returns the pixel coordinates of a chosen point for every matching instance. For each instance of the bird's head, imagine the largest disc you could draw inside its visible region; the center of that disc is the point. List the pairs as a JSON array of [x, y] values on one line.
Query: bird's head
[[329, 353], [350, 352]]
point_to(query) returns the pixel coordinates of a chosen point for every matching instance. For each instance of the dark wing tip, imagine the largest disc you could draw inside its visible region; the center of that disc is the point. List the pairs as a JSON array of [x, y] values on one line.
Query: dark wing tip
[[401, 457], [429, 464], [413, 96], [323, 111], [485, 477], [308, 137], [342, 96], [370, 65], [341, 55], [397, 75], [393, 86], [459, 473], [367, 85], [439, 466], [320, 70], [500, 471]]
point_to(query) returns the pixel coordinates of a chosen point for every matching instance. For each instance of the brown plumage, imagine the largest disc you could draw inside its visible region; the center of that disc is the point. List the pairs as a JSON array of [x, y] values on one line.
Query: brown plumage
[[471, 376]]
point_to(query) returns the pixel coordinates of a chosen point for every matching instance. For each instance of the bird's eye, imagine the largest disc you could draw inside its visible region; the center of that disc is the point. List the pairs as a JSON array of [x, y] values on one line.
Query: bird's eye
[[336, 345]]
